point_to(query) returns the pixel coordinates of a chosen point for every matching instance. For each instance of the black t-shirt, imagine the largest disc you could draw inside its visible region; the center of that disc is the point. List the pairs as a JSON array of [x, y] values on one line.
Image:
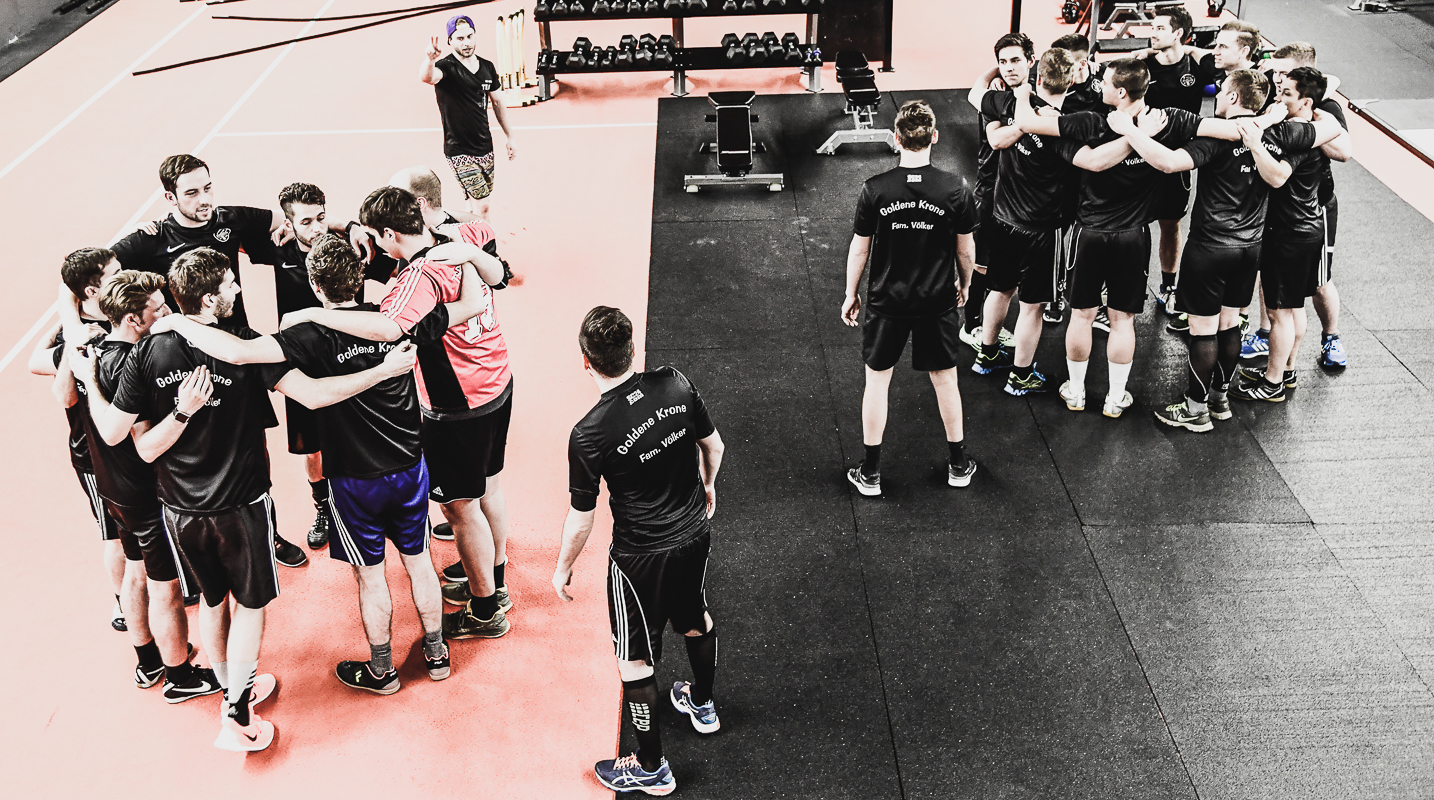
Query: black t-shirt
[[1088, 95], [463, 105], [229, 229], [1177, 85], [220, 461], [1036, 178], [373, 433], [1230, 197], [121, 475], [1124, 196], [641, 437], [1326, 187], [75, 415], [1295, 208], [383, 267], [987, 165], [914, 217], [291, 275]]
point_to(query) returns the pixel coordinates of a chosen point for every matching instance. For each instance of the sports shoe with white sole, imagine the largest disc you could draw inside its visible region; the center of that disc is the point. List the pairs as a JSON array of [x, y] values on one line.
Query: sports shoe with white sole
[[960, 478], [251, 738], [704, 717], [1114, 407], [259, 691], [1073, 397], [627, 775], [201, 682], [1179, 415], [438, 668], [1102, 320], [359, 675], [868, 487], [1219, 407]]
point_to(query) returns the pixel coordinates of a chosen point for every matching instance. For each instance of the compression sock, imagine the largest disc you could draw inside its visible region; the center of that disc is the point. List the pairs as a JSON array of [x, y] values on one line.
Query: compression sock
[[484, 607], [320, 490], [1077, 373], [1227, 358], [380, 659], [149, 655], [957, 453], [975, 300], [1200, 367], [241, 689], [433, 643], [1119, 375], [702, 653], [641, 699], [871, 463], [221, 673], [498, 574]]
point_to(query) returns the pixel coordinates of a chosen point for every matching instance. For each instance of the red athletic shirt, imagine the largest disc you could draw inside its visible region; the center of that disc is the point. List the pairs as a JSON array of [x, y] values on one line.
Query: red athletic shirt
[[466, 373]]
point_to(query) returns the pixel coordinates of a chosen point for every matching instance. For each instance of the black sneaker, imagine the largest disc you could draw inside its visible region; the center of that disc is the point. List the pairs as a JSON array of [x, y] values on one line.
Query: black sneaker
[[145, 678], [961, 477], [985, 365], [869, 487], [462, 624], [454, 573], [1179, 324], [1260, 389], [1290, 380], [359, 675], [201, 682], [456, 594], [192, 599], [1219, 406], [117, 619], [1054, 312], [319, 533], [438, 668], [1102, 320], [288, 553], [443, 532]]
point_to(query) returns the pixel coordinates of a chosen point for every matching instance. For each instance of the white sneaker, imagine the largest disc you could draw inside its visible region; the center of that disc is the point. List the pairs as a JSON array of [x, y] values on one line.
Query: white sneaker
[[1074, 397], [971, 337], [255, 736], [264, 684], [1114, 408]]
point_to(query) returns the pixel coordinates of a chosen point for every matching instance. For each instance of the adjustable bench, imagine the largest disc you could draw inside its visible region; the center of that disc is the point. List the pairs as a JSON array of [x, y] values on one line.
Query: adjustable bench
[[735, 148], [863, 100]]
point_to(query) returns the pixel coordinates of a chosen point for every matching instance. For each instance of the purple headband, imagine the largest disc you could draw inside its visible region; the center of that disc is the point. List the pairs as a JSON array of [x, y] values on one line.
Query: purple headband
[[456, 21]]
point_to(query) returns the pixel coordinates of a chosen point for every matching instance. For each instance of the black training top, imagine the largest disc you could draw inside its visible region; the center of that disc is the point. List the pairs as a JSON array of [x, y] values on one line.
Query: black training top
[[1088, 95], [641, 437], [220, 461], [1178, 85], [1326, 187], [1230, 197], [373, 433], [75, 415], [463, 105], [1295, 209], [1036, 179], [1124, 196], [987, 164], [122, 477], [291, 275], [229, 229], [914, 217]]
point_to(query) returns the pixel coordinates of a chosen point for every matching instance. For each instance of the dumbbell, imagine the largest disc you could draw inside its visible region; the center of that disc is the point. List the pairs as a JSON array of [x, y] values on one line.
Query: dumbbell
[[673, 5], [540, 7], [558, 7], [695, 5], [729, 5], [777, 3], [749, 5], [663, 55], [602, 7], [608, 56], [756, 53], [626, 49], [773, 46], [792, 48], [733, 49], [646, 45], [635, 7], [576, 7]]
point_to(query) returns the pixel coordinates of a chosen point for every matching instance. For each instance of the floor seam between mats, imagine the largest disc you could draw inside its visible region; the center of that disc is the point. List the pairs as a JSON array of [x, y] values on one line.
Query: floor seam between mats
[[855, 523], [1124, 629]]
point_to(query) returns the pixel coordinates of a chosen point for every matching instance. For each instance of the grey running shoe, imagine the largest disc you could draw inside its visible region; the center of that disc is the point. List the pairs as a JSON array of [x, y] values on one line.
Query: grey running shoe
[[1179, 415], [462, 624]]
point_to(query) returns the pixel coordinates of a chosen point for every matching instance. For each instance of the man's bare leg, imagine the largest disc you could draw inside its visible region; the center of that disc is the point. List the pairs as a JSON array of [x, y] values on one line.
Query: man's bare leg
[[168, 622], [494, 505], [1029, 325]]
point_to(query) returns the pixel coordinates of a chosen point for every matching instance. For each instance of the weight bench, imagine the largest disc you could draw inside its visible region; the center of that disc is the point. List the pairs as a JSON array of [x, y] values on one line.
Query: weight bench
[[1141, 12], [863, 100], [736, 150]]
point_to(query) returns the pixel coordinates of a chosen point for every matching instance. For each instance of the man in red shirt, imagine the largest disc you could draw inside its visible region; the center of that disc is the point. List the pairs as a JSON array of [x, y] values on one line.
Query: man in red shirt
[[464, 390]]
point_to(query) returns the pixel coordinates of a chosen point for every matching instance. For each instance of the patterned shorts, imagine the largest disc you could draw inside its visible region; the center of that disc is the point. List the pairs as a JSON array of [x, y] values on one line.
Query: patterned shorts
[[475, 175]]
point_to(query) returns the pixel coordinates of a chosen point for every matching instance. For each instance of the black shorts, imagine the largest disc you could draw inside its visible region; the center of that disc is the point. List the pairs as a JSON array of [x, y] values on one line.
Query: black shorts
[[303, 426], [1331, 223], [108, 530], [1172, 199], [934, 341], [463, 454], [982, 235], [141, 533], [1214, 277], [230, 553], [1116, 261], [645, 592], [1024, 259], [1289, 269]]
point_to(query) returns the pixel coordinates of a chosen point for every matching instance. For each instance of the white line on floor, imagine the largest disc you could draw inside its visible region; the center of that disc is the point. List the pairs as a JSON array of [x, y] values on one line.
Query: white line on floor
[[433, 130]]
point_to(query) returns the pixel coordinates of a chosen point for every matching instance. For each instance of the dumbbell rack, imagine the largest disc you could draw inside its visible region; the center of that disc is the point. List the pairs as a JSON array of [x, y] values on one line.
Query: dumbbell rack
[[684, 58]]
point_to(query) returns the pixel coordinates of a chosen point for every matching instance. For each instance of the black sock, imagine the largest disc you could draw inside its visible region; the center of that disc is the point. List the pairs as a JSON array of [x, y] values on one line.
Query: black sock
[[702, 653], [1167, 280], [1227, 358], [1200, 367], [178, 675], [975, 300], [498, 574], [149, 655], [239, 711], [991, 350], [641, 699], [320, 490], [871, 464], [957, 451], [1023, 373], [484, 607]]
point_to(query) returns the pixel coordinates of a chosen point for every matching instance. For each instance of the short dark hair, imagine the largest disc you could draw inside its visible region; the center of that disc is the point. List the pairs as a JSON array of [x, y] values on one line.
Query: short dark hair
[[1130, 75], [606, 340], [195, 274], [1179, 18], [1073, 42], [334, 267], [306, 193], [83, 268], [393, 208], [1056, 70], [915, 125], [1302, 53], [171, 168], [1016, 40], [1250, 88], [1308, 82], [128, 292], [1246, 35]]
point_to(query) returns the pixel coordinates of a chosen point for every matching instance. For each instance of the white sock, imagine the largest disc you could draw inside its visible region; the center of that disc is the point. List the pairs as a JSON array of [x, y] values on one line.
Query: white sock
[[221, 673], [241, 677], [1077, 371], [1119, 374]]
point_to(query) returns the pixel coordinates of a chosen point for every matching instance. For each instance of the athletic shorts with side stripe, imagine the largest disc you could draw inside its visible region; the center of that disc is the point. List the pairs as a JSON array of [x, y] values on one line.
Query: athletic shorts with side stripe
[[369, 511], [141, 533], [644, 592], [1331, 224], [1212, 277], [231, 552], [1116, 261], [108, 530]]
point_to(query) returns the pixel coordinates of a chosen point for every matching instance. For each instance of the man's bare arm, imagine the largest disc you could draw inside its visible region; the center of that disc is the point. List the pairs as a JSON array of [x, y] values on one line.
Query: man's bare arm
[[221, 344], [111, 423], [1028, 120], [321, 392], [372, 325], [576, 529], [1002, 137], [1272, 170], [1102, 158], [42, 358], [856, 256], [194, 392]]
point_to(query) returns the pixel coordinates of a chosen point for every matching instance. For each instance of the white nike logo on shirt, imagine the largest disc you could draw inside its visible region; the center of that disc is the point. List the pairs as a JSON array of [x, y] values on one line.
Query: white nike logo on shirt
[[172, 249]]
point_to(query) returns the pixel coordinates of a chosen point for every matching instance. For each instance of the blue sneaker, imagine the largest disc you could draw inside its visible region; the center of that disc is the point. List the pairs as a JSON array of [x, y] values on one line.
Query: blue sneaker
[[1254, 345], [1332, 355], [626, 775], [704, 717]]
